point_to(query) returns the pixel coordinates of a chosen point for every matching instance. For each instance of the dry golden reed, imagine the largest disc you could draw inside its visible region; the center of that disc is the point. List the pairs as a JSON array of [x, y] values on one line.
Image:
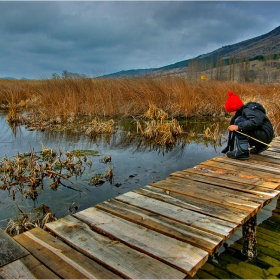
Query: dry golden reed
[[12, 116], [99, 127], [123, 97], [158, 128]]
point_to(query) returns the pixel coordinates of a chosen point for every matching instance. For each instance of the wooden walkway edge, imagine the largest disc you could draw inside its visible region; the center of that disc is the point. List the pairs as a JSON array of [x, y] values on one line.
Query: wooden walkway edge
[[165, 230]]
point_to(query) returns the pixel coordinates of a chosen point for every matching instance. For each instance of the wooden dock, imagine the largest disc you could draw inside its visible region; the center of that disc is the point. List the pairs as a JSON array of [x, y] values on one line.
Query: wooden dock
[[165, 230]]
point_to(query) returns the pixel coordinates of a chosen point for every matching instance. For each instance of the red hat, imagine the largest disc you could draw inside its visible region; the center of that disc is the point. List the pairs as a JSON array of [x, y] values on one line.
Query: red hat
[[233, 102]]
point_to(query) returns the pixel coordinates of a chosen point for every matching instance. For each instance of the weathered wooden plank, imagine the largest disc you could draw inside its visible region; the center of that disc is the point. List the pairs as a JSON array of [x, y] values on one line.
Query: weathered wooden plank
[[188, 217], [180, 178], [201, 239], [210, 208], [246, 183], [175, 253], [274, 149], [241, 189], [270, 159], [208, 193], [243, 171], [39, 270], [248, 192], [257, 165], [10, 250], [266, 158], [62, 259], [16, 270], [121, 259], [270, 154], [276, 139], [274, 145]]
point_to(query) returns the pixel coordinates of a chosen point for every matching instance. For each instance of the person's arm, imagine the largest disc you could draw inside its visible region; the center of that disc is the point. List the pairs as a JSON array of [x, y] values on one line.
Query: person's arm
[[254, 120]]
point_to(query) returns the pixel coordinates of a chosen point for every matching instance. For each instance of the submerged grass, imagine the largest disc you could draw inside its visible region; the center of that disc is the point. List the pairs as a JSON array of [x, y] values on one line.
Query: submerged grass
[[63, 100]]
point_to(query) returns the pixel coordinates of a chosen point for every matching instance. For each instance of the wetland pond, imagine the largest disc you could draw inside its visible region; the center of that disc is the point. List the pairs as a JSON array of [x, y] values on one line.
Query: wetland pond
[[134, 164]]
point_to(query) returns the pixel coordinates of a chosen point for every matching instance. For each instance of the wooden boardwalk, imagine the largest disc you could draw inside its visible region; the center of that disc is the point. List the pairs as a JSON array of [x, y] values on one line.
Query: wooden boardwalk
[[166, 230]]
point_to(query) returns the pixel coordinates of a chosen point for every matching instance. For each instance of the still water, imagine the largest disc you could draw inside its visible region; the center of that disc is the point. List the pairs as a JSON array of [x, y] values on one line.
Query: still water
[[134, 163]]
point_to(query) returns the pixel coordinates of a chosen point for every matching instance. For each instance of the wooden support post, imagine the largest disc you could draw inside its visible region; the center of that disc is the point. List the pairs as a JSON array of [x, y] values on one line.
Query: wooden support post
[[276, 211], [249, 231]]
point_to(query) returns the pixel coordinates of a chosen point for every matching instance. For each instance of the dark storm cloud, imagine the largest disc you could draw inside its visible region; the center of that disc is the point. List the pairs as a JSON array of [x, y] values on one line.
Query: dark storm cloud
[[39, 38]]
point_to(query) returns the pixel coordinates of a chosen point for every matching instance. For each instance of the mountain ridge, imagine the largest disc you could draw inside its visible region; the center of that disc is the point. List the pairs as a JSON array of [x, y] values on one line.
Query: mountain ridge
[[262, 45]]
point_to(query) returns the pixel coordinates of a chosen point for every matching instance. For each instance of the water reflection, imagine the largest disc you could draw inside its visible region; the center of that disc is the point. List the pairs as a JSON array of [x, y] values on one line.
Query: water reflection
[[135, 162]]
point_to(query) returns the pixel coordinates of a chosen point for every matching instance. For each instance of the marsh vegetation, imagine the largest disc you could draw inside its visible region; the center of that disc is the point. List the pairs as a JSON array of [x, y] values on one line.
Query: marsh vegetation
[[59, 102], [159, 112]]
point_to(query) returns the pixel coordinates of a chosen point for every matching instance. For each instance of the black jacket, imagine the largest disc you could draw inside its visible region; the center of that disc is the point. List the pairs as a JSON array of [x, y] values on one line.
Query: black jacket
[[256, 122]]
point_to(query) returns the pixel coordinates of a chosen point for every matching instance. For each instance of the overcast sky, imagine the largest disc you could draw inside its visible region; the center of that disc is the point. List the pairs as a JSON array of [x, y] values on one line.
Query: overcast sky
[[94, 38]]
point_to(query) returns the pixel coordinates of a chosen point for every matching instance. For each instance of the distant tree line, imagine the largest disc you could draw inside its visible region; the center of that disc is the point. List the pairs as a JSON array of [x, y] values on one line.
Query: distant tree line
[[68, 75], [262, 69]]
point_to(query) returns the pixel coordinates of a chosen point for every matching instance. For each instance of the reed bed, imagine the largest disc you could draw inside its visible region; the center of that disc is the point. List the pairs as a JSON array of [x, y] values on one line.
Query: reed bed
[[66, 99], [158, 128], [100, 127]]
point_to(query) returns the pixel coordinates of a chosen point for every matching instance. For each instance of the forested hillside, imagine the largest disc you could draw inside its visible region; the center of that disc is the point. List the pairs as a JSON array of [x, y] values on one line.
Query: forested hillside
[[252, 60]]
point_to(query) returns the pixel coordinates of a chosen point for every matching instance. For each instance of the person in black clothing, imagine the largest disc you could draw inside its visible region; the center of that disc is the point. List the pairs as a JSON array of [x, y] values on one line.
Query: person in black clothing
[[249, 119]]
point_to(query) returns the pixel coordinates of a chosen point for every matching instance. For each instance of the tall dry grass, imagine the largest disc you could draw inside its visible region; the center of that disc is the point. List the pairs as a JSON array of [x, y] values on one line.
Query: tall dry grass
[[158, 128], [123, 97]]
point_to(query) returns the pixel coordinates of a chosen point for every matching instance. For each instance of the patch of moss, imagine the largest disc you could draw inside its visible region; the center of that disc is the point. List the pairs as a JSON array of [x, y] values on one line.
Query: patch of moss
[[274, 271], [246, 271], [80, 153]]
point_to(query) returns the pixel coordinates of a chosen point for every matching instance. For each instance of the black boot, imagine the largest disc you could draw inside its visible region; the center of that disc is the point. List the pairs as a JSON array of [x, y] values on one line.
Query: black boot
[[241, 150]]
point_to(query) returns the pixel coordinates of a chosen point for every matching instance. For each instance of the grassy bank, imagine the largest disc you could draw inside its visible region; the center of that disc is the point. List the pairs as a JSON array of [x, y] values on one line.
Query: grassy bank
[[66, 99]]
